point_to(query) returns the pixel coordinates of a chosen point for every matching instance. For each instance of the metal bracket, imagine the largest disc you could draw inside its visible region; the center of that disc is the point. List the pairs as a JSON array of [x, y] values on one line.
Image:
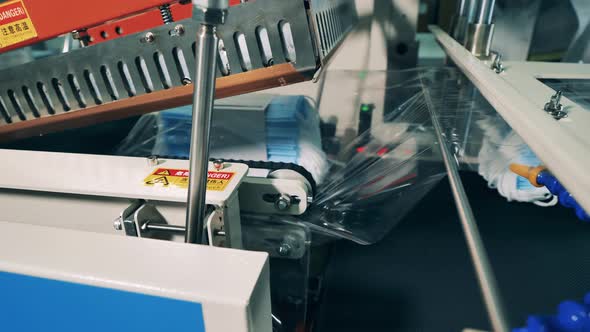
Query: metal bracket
[[138, 215], [555, 108], [142, 219], [497, 64]]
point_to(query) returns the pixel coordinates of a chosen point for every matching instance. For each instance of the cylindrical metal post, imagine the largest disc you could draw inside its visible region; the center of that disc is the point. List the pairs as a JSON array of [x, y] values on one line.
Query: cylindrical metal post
[[480, 30], [465, 14], [479, 257], [471, 10], [204, 94], [462, 7], [485, 12]]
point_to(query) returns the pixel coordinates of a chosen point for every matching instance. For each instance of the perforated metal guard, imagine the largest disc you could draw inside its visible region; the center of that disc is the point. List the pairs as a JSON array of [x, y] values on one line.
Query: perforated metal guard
[[332, 20], [256, 35]]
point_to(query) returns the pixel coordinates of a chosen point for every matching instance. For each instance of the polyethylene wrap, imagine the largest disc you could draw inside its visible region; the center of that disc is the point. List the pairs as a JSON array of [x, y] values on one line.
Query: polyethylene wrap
[[366, 181]]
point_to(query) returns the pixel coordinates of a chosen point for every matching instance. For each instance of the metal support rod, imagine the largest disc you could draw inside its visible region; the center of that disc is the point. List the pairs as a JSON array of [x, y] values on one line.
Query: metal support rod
[[204, 91], [150, 226], [479, 257], [485, 12], [462, 7], [471, 10]]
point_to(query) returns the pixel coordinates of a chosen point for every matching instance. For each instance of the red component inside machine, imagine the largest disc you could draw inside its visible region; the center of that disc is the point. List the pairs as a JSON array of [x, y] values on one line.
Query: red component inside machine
[[103, 20], [140, 22]]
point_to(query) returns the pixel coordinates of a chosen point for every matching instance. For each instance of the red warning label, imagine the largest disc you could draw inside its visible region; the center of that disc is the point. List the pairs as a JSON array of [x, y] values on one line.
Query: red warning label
[[15, 24], [12, 12], [216, 181]]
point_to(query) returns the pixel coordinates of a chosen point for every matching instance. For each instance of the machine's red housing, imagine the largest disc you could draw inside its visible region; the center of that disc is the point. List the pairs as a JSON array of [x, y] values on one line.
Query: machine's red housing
[[53, 18], [136, 23]]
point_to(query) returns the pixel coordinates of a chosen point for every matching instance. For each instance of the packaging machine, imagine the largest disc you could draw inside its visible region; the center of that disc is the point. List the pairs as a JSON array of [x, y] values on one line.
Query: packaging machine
[[137, 58], [159, 241]]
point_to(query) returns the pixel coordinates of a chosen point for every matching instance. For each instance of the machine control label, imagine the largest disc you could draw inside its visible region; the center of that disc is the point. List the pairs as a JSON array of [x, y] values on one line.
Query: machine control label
[[166, 177], [15, 24]]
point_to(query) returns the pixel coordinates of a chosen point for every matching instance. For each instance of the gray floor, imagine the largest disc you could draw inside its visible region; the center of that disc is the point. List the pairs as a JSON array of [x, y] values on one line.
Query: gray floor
[[419, 278]]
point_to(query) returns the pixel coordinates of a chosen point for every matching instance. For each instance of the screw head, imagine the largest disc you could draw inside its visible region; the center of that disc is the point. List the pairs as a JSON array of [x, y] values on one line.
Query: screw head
[[117, 224], [149, 37], [179, 30], [218, 164], [284, 249], [153, 161], [283, 202]]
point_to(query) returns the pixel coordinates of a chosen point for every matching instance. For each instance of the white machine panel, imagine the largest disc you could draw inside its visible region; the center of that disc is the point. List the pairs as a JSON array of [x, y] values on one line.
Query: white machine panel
[[108, 176], [70, 279]]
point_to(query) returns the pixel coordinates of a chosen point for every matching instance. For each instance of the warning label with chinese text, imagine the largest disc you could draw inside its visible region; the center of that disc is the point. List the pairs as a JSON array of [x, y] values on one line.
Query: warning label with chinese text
[[15, 24], [165, 177]]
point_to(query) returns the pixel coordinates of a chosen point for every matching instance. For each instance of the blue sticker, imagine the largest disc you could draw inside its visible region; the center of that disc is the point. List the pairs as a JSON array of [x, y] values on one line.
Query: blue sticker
[[37, 304]]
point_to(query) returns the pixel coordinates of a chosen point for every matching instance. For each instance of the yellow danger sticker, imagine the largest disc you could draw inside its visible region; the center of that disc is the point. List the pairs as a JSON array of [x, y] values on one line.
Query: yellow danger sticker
[[167, 177], [15, 24]]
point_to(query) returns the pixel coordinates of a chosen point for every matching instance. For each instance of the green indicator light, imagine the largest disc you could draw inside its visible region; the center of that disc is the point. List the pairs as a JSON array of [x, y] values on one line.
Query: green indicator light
[[365, 108]]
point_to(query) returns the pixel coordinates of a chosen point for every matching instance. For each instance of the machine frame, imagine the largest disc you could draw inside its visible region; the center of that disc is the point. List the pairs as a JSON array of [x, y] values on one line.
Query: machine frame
[[518, 95]]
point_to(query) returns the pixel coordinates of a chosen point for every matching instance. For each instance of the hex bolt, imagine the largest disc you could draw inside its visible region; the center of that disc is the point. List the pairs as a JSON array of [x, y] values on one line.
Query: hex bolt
[[153, 161], [284, 249], [555, 102], [283, 202], [497, 64], [218, 164], [178, 30], [554, 106], [117, 224]]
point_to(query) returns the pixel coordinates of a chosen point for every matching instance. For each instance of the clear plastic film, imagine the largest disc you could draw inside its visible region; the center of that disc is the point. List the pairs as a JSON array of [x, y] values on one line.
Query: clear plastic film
[[378, 154], [288, 244], [255, 127], [378, 176], [485, 143]]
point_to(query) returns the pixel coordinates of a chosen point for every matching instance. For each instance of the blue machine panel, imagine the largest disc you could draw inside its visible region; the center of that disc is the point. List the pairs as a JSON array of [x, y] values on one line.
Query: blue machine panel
[[38, 304]]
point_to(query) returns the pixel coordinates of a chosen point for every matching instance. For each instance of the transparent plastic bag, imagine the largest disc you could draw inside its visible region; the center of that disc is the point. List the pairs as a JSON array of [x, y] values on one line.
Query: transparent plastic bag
[[371, 179], [288, 244], [253, 127], [381, 174]]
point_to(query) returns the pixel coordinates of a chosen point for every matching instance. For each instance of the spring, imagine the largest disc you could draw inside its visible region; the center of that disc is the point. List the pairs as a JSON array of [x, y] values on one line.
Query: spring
[[166, 14]]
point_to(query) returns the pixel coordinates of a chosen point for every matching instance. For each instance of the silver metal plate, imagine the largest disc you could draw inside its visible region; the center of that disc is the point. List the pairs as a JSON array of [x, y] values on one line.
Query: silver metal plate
[[256, 34], [332, 20]]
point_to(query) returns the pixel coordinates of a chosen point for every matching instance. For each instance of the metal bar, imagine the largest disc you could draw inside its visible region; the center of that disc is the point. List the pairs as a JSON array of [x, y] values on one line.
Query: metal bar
[[471, 10], [149, 226], [480, 29], [204, 94], [479, 257], [462, 7], [562, 150], [485, 12]]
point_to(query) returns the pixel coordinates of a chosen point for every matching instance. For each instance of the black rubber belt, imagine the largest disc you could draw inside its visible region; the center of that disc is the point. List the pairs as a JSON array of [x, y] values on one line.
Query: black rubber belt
[[275, 166], [269, 165]]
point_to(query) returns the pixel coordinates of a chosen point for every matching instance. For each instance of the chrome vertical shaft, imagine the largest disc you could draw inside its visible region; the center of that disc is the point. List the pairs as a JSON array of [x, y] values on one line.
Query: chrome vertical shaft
[[211, 13], [204, 94]]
